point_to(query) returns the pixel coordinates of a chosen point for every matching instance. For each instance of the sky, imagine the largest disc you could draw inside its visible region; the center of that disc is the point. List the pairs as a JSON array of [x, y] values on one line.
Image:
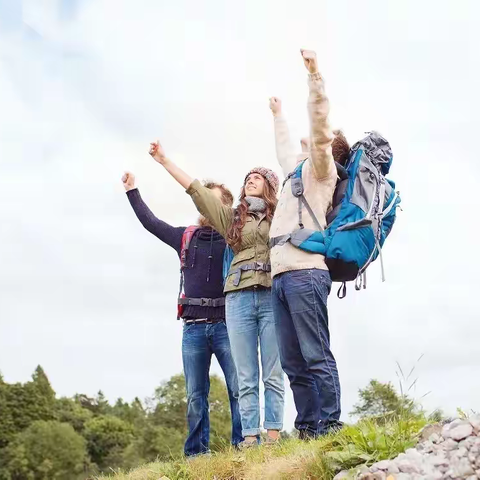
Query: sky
[[85, 85]]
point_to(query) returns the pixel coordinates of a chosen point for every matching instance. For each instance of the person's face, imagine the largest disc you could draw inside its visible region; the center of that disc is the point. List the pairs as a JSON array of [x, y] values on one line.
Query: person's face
[[254, 185]]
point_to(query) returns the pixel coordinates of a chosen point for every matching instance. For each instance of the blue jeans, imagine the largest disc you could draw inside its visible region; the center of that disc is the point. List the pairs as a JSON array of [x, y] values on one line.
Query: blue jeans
[[250, 319], [300, 306], [198, 344]]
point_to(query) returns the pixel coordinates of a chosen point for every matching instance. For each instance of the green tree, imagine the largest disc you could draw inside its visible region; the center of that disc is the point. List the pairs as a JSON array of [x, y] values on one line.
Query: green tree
[[24, 404], [107, 437], [133, 413], [380, 399], [47, 450], [98, 405], [68, 410]]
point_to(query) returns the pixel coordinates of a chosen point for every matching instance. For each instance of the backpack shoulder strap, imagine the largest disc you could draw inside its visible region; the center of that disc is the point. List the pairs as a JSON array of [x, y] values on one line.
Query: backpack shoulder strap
[[297, 191], [186, 239]]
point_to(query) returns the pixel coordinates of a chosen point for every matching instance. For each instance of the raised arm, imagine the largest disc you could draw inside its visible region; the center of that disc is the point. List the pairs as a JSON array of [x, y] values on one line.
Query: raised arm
[[158, 154], [166, 233], [321, 135], [211, 207], [285, 151]]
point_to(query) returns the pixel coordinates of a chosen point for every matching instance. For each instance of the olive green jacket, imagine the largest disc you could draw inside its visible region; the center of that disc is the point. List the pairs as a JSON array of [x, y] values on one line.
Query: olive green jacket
[[255, 238]]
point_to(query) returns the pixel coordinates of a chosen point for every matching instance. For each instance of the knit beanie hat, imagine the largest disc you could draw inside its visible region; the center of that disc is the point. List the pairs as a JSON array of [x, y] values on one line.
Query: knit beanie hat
[[269, 175]]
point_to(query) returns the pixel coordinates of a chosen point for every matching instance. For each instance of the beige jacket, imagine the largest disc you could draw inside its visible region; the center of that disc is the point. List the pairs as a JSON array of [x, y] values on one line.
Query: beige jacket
[[319, 177]]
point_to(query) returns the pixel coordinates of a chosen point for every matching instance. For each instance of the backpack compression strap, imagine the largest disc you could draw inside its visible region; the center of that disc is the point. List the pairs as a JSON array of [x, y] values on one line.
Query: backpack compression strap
[[297, 191], [186, 239]]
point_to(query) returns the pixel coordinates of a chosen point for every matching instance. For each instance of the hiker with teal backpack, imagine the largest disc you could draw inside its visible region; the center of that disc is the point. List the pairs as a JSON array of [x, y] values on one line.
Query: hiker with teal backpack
[[201, 307], [249, 314], [335, 211]]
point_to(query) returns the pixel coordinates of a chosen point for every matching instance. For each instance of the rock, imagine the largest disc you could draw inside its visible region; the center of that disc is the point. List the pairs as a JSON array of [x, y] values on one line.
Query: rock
[[462, 468], [407, 466], [449, 445], [461, 452], [403, 476], [472, 477], [393, 469], [457, 432], [342, 475], [382, 465], [475, 423]]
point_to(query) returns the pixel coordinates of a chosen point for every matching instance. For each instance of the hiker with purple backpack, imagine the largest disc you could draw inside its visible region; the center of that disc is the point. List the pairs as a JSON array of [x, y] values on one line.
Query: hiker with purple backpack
[[201, 306]]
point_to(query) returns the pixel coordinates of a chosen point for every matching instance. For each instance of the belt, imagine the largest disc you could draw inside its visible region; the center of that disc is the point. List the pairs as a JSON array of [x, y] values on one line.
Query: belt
[[202, 302], [198, 321], [257, 266]]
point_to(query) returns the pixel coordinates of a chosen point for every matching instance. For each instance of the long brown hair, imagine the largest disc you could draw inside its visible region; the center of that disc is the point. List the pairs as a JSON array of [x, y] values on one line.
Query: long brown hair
[[234, 234]]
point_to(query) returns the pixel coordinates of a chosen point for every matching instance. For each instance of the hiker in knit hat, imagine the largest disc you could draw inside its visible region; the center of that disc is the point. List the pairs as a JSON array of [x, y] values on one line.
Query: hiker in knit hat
[[248, 301], [301, 280], [269, 175]]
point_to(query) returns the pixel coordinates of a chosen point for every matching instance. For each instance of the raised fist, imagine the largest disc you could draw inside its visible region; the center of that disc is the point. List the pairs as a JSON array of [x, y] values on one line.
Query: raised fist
[[310, 60], [157, 152], [128, 180], [276, 106]]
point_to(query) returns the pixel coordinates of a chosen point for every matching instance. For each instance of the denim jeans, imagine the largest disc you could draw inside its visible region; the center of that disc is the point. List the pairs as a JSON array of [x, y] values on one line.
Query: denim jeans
[[250, 322], [198, 344], [300, 306]]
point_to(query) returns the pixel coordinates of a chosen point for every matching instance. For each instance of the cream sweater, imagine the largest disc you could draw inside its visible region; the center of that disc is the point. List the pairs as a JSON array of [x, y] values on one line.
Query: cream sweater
[[319, 177]]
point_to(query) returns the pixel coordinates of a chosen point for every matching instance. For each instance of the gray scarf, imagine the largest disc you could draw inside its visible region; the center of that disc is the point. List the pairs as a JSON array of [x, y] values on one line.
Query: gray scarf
[[256, 204]]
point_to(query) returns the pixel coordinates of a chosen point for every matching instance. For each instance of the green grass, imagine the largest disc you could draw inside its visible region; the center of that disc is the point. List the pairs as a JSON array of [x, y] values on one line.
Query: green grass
[[364, 443]]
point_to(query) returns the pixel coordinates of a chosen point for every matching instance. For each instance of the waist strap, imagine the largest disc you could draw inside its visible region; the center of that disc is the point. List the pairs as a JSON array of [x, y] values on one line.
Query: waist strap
[[257, 266], [202, 302]]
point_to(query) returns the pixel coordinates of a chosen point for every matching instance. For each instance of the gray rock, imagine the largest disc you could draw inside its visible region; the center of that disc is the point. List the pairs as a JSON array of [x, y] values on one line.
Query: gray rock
[[407, 466], [475, 423], [461, 452], [382, 465], [459, 432], [462, 468], [342, 475], [393, 469], [472, 477], [472, 458], [403, 476], [449, 445]]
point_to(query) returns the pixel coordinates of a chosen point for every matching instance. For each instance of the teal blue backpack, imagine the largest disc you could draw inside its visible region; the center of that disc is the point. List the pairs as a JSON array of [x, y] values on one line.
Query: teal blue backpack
[[364, 211]]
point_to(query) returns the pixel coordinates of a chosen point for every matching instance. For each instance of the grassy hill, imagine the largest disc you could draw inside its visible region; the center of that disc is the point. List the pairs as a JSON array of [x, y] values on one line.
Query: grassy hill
[[363, 443]]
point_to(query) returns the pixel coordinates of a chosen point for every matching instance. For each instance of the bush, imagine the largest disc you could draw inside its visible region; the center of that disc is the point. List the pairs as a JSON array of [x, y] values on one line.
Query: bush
[[46, 450]]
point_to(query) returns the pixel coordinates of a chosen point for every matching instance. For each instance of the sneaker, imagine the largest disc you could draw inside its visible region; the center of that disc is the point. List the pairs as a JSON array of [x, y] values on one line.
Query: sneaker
[[332, 427], [272, 441], [306, 435], [248, 444]]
